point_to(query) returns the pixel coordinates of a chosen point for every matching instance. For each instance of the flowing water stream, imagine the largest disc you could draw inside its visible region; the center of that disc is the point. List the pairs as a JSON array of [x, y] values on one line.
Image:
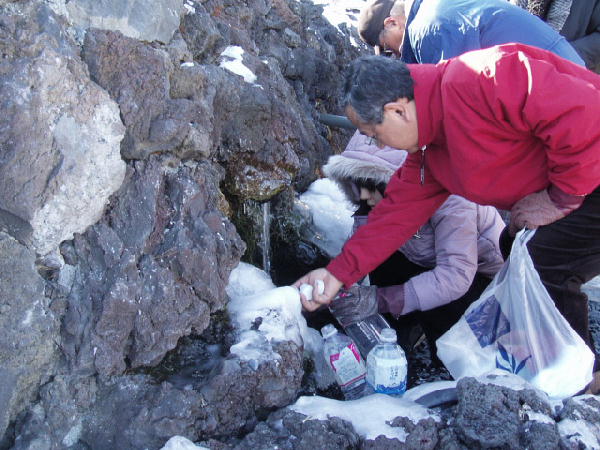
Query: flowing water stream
[[266, 237]]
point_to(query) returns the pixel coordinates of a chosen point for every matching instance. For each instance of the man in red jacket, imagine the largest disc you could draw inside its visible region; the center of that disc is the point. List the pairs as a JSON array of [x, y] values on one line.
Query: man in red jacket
[[511, 126]]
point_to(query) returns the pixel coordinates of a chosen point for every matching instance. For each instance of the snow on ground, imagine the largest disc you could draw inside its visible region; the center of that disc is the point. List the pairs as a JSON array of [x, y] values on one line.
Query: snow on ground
[[592, 289], [189, 7], [578, 433], [246, 280], [279, 308], [339, 12], [232, 59], [502, 378], [181, 443], [331, 215], [252, 294], [369, 415], [426, 388]]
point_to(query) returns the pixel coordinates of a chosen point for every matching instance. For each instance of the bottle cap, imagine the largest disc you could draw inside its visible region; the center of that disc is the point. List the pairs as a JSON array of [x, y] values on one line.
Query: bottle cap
[[388, 335], [328, 330]]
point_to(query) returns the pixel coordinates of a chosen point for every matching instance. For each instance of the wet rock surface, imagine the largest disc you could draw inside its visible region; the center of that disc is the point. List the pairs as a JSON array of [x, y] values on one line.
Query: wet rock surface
[[151, 271], [291, 430], [490, 416]]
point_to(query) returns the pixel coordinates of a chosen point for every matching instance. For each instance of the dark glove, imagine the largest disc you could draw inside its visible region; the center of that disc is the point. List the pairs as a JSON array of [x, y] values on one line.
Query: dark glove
[[354, 304], [534, 210]]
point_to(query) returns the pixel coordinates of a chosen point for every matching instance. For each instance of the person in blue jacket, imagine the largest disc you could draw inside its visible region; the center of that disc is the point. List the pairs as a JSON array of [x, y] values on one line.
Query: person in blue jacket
[[428, 31]]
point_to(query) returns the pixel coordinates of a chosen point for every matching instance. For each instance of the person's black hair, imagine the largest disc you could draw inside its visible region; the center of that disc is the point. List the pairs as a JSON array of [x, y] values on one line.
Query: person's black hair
[[373, 81], [371, 185]]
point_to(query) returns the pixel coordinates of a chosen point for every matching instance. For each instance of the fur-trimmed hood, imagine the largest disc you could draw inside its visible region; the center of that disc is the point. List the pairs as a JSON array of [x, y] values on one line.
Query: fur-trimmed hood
[[362, 161]]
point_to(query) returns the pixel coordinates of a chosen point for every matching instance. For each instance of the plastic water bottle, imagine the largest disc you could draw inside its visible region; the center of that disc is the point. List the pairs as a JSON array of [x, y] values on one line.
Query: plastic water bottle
[[345, 360], [386, 365], [366, 333]]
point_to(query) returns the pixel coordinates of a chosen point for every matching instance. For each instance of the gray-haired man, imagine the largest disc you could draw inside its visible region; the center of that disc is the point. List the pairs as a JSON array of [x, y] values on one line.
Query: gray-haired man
[[481, 126]]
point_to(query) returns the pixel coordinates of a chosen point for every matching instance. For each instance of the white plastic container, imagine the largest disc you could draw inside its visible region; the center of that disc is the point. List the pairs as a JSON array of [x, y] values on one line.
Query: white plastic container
[[344, 358], [386, 365]]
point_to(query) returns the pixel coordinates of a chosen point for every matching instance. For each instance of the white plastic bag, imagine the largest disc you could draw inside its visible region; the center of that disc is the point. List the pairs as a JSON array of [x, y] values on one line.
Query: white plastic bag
[[515, 326]]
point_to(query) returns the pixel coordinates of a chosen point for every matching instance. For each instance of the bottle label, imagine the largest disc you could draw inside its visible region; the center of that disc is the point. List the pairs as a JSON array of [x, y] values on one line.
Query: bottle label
[[347, 365], [387, 375]]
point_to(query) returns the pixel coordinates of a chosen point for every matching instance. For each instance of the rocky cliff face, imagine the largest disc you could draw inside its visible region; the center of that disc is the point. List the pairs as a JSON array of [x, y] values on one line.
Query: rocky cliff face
[[135, 154]]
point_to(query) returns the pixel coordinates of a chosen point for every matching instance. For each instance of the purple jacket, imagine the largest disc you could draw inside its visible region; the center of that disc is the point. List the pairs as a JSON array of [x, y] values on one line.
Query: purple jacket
[[460, 239]]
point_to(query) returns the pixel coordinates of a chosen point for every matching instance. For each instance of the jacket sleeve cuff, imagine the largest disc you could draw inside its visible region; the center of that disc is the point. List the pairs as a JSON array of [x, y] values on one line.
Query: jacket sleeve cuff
[[391, 299], [411, 299], [339, 270], [563, 201]]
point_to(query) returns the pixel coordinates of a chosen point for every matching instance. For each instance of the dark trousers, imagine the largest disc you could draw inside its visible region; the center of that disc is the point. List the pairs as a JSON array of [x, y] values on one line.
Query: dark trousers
[[397, 270], [566, 254]]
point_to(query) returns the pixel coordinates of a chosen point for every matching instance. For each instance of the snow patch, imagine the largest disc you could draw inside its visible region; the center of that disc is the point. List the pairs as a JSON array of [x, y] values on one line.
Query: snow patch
[[232, 60], [181, 443], [265, 315], [426, 388], [592, 289], [246, 280], [540, 417], [339, 12], [369, 415], [331, 215], [502, 378], [578, 433]]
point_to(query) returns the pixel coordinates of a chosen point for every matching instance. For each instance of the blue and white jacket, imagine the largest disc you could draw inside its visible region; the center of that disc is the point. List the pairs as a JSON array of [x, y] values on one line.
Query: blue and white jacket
[[441, 29]]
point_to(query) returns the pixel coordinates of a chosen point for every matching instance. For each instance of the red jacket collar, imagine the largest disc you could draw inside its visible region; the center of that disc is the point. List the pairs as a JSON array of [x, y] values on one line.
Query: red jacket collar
[[427, 78]]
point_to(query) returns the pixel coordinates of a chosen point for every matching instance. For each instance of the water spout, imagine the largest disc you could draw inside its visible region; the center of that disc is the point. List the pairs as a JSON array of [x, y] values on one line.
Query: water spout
[[266, 237]]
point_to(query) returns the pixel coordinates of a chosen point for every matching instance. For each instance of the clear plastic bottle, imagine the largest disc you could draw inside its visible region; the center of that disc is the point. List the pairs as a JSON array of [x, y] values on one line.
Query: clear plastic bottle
[[366, 333], [345, 360], [386, 365]]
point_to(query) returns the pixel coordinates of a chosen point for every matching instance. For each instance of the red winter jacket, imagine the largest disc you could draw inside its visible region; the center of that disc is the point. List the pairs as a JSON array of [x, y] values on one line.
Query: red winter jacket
[[498, 124]]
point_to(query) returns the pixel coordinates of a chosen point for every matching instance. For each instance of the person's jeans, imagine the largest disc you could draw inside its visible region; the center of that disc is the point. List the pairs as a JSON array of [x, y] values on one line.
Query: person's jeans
[[566, 254]]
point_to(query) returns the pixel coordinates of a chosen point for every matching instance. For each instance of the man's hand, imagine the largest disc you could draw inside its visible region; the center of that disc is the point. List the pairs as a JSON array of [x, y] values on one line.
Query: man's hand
[[534, 210], [332, 286]]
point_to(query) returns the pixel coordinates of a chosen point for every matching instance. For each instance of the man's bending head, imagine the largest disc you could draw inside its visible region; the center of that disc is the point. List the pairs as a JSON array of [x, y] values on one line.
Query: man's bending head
[[381, 24], [378, 98]]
